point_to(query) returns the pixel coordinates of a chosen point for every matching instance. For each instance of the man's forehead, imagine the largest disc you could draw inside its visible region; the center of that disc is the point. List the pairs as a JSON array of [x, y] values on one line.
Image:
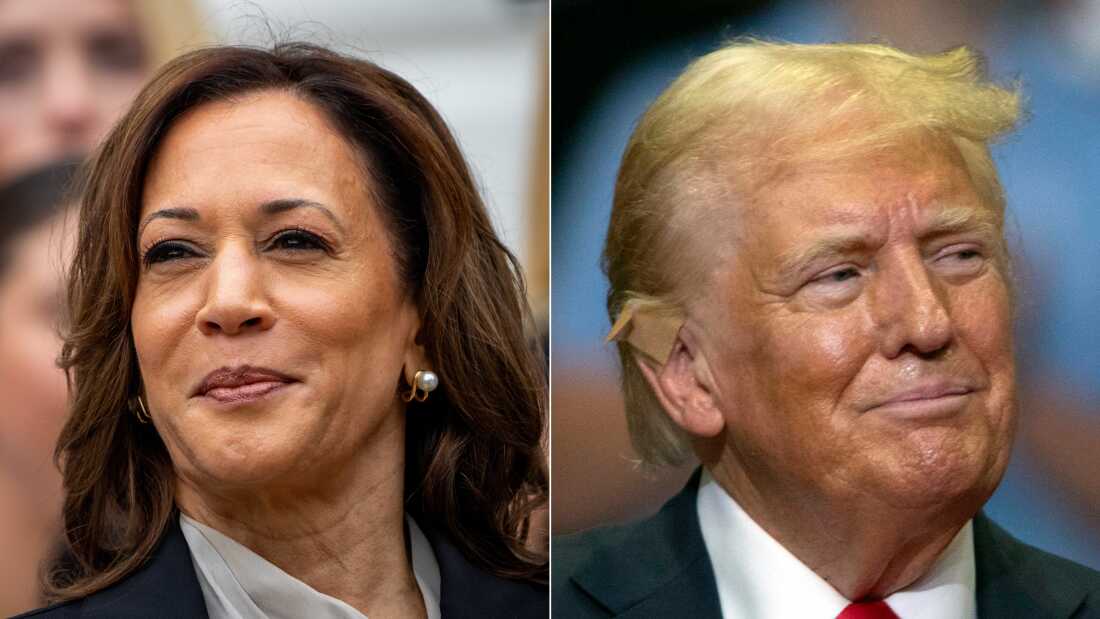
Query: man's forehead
[[911, 181], [806, 208], [909, 211]]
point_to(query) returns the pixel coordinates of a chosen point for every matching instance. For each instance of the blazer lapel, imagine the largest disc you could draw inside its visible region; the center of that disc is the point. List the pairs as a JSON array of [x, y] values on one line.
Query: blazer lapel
[[1016, 580], [165, 587], [659, 568], [467, 591]]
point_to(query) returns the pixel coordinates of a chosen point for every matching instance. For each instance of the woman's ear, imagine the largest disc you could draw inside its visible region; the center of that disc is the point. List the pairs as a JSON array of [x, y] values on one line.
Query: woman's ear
[[682, 388], [416, 357]]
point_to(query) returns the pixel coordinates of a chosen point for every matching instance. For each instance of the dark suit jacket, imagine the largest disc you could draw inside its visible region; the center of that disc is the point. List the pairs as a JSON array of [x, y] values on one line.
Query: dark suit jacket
[[659, 567], [166, 587]]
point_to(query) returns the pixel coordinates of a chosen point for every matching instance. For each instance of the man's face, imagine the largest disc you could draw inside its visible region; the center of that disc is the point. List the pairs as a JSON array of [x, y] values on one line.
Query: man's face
[[858, 332]]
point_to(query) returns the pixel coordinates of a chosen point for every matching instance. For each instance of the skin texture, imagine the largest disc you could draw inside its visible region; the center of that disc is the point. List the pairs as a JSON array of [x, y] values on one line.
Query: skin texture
[[309, 476], [781, 373], [34, 394], [68, 70]]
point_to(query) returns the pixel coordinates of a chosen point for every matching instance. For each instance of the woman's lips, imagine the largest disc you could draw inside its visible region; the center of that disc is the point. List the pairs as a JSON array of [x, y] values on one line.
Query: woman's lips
[[245, 393], [244, 383]]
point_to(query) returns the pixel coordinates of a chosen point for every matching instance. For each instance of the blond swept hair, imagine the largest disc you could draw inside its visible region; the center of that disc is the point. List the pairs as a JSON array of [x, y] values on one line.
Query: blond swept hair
[[754, 107]]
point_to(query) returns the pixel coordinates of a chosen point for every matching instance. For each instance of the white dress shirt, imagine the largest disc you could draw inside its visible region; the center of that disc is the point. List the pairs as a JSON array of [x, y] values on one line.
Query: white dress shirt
[[240, 584], [760, 579]]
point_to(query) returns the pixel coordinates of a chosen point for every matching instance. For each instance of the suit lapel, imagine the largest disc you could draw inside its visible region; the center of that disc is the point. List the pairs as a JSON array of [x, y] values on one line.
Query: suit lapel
[[1015, 580], [659, 568], [165, 587]]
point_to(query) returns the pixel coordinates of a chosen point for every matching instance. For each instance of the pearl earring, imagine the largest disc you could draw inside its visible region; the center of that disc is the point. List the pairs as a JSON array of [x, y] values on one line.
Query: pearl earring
[[137, 406], [423, 383]]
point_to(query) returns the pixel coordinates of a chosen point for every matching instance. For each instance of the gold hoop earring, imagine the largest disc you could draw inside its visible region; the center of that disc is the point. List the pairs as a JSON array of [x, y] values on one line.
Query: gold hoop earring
[[423, 383], [137, 406]]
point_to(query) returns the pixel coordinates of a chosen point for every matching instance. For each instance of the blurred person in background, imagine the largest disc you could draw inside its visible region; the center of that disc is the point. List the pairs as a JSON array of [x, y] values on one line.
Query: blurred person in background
[[34, 247], [69, 69], [1051, 495], [302, 376]]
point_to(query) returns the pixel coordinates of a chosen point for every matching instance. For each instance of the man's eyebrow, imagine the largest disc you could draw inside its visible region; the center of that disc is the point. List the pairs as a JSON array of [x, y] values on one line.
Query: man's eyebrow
[[794, 262], [946, 221], [186, 214], [960, 219], [282, 205]]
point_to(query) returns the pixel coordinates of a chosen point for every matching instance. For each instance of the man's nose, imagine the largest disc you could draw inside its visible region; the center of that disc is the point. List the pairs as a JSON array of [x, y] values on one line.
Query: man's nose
[[235, 297], [910, 307]]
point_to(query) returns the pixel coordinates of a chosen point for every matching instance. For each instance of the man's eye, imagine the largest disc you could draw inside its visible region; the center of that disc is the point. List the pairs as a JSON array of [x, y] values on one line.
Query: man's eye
[[298, 240], [837, 276], [967, 254], [167, 251], [961, 261]]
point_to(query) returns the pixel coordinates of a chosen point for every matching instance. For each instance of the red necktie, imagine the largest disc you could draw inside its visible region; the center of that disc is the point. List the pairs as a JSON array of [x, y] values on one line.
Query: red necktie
[[867, 610]]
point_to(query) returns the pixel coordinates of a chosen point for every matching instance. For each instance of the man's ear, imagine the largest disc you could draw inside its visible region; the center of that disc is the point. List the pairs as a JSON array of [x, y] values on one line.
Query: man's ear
[[681, 388]]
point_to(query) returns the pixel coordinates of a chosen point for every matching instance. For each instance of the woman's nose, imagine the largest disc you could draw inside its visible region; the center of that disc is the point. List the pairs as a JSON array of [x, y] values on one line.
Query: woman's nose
[[235, 300]]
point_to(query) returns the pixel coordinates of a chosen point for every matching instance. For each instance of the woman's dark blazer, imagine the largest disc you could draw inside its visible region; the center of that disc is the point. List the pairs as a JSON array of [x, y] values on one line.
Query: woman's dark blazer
[[167, 587]]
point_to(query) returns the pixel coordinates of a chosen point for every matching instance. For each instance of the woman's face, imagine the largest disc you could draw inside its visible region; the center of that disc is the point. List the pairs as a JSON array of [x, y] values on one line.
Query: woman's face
[[68, 69], [270, 323], [32, 387]]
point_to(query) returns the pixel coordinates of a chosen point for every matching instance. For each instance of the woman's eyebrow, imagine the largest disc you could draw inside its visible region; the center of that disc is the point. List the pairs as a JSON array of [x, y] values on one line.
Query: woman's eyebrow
[[275, 207], [186, 214], [272, 207]]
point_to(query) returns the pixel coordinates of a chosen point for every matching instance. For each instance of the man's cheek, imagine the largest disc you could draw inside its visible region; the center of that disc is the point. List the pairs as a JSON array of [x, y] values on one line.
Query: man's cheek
[[818, 350], [984, 322]]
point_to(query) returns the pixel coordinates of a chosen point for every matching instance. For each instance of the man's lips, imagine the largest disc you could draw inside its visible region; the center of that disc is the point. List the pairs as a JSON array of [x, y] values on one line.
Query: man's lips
[[241, 383], [930, 399]]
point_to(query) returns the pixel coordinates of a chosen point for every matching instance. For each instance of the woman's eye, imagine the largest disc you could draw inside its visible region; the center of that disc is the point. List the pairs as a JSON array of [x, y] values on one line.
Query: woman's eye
[[297, 240], [167, 251]]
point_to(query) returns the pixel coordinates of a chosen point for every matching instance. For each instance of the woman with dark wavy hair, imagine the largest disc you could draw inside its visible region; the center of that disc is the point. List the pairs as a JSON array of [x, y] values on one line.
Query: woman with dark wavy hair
[[301, 372]]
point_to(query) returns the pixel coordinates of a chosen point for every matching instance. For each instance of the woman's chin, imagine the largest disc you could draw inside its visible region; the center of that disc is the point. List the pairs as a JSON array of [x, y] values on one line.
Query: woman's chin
[[246, 451], [242, 468]]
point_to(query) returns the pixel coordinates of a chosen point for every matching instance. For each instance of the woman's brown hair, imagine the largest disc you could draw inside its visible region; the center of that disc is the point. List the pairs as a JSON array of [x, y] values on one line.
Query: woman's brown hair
[[475, 467]]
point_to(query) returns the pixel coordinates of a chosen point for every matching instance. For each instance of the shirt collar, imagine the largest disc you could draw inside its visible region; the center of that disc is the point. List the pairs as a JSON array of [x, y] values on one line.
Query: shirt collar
[[758, 577], [236, 582]]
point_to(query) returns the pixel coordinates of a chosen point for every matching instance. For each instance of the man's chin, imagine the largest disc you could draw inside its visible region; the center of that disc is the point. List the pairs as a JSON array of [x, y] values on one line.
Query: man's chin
[[956, 486]]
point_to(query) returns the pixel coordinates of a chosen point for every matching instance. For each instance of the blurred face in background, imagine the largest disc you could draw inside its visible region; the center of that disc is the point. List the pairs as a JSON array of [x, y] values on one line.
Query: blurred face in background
[[32, 387], [68, 69]]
